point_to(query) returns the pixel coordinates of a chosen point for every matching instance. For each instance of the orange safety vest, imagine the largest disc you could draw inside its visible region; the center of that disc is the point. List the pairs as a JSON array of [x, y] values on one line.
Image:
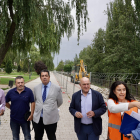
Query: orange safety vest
[[114, 123]]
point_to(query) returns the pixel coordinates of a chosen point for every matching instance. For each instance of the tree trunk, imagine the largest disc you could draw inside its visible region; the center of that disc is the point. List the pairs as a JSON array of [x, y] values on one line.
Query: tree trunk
[[8, 41]]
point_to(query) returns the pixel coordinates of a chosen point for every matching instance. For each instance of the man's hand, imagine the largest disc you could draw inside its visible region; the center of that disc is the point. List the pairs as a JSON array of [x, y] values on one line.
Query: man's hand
[[79, 115], [1, 112], [30, 118], [90, 114], [131, 137]]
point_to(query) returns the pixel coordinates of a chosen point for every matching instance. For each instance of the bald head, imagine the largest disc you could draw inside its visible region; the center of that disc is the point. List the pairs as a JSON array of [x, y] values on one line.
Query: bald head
[[85, 85], [84, 79]]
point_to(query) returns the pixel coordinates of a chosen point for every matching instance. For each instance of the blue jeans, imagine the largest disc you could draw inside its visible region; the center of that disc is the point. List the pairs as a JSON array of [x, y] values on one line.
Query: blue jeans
[[15, 127], [87, 133]]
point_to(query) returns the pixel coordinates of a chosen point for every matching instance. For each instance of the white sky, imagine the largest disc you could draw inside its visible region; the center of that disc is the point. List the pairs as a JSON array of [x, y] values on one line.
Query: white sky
[[98, 19]]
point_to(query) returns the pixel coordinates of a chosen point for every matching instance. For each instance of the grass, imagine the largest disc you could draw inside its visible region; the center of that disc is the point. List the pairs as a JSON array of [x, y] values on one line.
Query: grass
[[26, 78], [5, 80], [4, 88], [15, 74]]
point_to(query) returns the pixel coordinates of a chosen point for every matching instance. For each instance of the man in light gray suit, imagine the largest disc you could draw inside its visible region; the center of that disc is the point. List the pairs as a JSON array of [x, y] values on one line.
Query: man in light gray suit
[[48, 97]]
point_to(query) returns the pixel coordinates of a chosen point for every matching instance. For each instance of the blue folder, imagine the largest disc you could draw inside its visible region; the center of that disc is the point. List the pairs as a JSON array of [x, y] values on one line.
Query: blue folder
[[128, 124]]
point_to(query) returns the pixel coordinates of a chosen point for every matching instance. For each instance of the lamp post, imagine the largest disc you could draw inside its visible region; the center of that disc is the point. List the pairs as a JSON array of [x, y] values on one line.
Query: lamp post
[[29, 68]]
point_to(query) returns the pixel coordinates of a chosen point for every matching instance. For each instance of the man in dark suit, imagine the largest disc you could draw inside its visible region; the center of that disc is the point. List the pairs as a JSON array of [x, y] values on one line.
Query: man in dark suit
[[87, 106]]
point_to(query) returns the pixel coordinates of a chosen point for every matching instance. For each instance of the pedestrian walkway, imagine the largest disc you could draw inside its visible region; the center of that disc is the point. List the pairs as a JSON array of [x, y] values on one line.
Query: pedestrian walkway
[[65, 129]]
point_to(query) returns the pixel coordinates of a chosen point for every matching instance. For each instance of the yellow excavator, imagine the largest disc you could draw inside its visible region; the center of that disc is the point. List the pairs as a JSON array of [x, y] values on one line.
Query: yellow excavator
[[79, 71]]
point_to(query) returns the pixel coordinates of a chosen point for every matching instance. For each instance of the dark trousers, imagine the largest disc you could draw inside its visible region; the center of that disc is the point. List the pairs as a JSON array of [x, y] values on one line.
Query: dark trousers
[[39, 130], [15, 127], [87, 133]]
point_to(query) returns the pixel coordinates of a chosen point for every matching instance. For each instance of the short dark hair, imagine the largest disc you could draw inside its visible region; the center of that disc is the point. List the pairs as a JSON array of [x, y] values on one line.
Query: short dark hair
[[45, 70], [128, 97], [18, 77]]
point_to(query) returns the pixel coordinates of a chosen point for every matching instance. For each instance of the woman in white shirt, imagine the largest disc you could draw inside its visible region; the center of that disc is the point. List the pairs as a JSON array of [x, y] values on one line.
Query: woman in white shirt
[[2, 102], [120, 101]]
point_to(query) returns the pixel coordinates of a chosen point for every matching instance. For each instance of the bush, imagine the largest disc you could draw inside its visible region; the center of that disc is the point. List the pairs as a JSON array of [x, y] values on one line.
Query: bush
[[18, 68], [67, 68], [8, 67]]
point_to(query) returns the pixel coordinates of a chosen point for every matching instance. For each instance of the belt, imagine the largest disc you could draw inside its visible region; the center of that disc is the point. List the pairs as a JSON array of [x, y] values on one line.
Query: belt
[[87, 124]]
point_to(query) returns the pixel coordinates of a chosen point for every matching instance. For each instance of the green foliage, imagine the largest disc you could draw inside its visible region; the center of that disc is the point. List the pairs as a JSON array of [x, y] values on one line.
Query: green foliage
[[25, 66], [4, 88], [26, 22], [10, 55], [86, 56], [67, 68], [18, 68], [122, 40], [68, 62], [26, 77], [48, 60], [60, 66], [8, 67], [116, 50], [2, 65], [5, 81], [76, 60], [93, 55], [22, 59], [137, 6]]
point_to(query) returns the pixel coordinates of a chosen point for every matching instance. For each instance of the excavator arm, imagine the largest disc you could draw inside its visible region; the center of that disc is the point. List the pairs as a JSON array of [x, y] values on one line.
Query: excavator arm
[[80, 72]]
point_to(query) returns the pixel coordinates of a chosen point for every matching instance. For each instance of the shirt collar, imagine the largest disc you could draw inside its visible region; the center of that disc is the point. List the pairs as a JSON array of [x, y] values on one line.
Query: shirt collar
[[23, 90], [48, 85], [89, 92]]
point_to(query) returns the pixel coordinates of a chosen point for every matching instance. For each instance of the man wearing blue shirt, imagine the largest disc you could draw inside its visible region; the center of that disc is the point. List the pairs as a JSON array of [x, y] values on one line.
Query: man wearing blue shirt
[[20, 98], [87, 106]]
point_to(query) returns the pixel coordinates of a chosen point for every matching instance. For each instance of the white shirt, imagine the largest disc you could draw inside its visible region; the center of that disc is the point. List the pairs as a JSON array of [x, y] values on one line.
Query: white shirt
[[86, 106], [116, 108]]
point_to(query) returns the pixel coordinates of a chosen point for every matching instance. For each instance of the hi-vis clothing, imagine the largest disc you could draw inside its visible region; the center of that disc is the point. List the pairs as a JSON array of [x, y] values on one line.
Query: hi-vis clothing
[[114, 123]]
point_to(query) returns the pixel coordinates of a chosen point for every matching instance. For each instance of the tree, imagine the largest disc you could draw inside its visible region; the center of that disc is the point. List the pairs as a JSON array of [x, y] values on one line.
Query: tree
[[137, 12], [18, 68], [68, 62], [122, 38], [25, 65], [67, 68], [48, 60], [85, 55], [68, 65], [26, 22], [60, 66], [98, 50], [22, 59], [8, 67], [76, 60], [93, 54]]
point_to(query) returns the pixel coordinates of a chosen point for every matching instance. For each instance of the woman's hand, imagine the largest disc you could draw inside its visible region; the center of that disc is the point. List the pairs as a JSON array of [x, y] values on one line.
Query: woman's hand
[[131, 137], [134, 104]]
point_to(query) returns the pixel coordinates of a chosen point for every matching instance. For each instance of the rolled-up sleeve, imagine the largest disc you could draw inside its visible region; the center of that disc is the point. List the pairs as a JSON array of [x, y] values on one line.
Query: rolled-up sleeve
[[2, 99], [116, 108]]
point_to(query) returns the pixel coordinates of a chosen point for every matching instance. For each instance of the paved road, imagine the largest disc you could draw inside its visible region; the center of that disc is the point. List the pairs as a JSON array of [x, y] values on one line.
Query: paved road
[[65, 130]]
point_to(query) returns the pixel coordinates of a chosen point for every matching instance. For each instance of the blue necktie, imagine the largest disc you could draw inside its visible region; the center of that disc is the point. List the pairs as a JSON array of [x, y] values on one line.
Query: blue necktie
[[44, 94]]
